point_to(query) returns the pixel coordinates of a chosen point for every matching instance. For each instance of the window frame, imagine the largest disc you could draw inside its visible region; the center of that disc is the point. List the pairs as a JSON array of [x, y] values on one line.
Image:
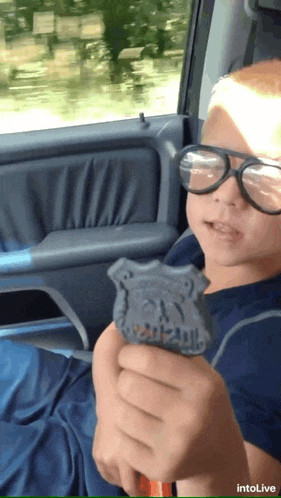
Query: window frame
[[194, 59]]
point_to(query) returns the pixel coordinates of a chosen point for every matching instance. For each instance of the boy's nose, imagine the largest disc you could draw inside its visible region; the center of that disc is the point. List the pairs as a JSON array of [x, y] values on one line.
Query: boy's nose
[[229, 193]]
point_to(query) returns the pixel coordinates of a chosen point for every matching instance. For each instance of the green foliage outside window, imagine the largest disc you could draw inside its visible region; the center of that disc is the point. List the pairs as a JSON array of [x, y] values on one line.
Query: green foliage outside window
[[128, 23]]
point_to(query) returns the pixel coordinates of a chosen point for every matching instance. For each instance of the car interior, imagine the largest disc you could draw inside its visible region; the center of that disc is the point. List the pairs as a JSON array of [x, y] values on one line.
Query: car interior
[[76, 199]]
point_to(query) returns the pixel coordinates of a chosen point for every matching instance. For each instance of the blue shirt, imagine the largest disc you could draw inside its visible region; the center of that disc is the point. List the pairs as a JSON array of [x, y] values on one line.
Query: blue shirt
[[247, 350]]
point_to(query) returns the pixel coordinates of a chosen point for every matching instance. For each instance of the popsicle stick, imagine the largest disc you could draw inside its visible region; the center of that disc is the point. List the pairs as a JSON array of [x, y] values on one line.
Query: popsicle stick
[[155, 488]]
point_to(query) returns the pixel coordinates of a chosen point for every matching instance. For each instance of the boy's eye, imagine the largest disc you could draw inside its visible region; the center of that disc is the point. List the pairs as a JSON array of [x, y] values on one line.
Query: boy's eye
[[263, 184], [201, 169]]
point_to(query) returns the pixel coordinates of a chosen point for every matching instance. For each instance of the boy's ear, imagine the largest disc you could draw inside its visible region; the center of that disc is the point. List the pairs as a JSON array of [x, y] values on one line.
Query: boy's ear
[[213, 120], [203, 129]]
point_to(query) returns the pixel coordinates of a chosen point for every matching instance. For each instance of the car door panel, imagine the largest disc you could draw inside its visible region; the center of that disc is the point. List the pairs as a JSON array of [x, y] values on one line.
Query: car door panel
[[78, 198], [75, 202]]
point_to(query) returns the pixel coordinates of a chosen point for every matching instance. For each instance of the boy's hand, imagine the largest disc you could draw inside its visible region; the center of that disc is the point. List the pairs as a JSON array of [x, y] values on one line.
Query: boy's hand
[[174, 416]]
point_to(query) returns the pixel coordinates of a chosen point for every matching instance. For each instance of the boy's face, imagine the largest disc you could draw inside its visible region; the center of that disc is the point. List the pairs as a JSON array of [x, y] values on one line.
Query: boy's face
[[257, 240]]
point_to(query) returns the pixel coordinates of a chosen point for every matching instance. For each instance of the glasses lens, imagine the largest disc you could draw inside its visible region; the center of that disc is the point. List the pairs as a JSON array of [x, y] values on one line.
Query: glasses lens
[[263, 184], [200, 169]]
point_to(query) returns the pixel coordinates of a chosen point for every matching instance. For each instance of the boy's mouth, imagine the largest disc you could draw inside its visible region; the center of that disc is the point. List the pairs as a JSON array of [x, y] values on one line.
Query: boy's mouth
[[222, 227], [224, 230]]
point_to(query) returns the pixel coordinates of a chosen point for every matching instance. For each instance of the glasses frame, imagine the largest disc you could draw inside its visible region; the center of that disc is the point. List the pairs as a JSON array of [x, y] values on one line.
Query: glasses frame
[[237, 173]]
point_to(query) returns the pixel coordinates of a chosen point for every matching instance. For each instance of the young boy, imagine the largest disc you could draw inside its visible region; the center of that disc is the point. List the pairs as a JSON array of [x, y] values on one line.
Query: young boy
[[211, 424]]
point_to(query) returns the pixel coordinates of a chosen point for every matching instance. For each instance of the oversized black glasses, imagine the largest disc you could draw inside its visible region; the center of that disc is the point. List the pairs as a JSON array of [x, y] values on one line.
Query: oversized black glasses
[[204, 168]]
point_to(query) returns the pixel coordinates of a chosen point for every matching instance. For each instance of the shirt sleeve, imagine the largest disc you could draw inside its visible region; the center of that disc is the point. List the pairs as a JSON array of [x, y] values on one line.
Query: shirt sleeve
[[251, 367]]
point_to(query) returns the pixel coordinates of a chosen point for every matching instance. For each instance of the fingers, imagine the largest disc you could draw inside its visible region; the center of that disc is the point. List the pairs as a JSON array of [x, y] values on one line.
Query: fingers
[[107, 468], [131, 480], [138, 455], [146, 394], [137, 424], [112, 477], [158, 364]]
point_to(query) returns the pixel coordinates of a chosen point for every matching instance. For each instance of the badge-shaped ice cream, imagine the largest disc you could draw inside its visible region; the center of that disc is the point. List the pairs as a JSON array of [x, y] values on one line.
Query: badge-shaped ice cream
[[161, 305]]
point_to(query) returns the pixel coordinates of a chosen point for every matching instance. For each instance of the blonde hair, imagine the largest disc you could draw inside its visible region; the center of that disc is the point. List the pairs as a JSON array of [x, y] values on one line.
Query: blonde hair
[[264, 78], [251, 96]]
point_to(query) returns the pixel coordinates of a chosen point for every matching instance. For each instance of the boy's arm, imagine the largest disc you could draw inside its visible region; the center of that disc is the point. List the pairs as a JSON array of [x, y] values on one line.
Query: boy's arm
[[265, 472], [264, 469]]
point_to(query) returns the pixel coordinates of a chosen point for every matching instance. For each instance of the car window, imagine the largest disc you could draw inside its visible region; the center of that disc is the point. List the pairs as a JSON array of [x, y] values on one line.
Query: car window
[[69, 62]]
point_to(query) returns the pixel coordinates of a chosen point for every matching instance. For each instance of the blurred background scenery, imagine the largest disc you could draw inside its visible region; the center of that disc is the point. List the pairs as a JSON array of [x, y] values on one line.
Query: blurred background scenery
[[67, 62]]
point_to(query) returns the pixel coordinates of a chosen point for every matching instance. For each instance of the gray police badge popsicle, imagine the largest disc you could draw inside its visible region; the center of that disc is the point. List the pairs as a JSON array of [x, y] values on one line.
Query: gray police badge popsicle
[[161, 305]]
